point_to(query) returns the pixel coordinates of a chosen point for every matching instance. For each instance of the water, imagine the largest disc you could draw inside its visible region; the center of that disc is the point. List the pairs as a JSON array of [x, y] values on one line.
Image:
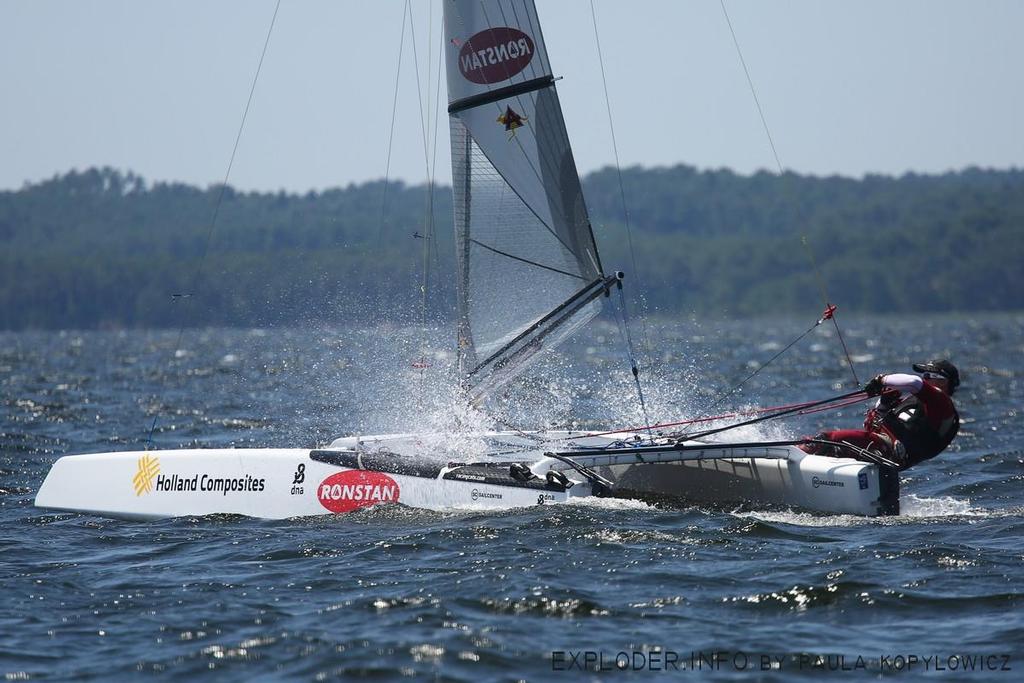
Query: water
[[395, 592]]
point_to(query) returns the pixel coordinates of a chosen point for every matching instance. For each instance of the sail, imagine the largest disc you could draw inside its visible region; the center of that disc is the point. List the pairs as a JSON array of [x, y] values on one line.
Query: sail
[[528, 270]]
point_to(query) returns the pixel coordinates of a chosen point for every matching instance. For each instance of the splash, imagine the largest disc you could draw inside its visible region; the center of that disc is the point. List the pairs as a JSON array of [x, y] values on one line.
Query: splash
[[584, 386], [913, 509], [912, 505], [612, 504], [398, 386]]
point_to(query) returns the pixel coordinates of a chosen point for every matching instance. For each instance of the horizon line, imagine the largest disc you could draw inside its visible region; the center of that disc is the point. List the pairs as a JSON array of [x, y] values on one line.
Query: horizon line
[[149, 183]]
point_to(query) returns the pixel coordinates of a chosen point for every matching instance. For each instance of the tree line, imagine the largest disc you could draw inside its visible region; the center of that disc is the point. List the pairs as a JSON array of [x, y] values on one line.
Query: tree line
[[102, 248]]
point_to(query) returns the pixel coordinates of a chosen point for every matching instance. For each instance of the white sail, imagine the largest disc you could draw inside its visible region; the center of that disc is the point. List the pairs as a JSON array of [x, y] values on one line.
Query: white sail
[[528, 268]]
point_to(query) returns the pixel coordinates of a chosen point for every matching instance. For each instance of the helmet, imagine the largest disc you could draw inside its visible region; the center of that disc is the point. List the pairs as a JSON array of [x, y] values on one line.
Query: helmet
[[941, 366]]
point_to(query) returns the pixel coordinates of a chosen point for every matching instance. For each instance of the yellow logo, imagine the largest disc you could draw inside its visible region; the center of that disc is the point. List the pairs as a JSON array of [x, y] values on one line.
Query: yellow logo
[[149, 467]]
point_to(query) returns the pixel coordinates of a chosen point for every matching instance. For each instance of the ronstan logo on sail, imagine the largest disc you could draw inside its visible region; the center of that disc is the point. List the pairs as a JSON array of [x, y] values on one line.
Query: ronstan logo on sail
[[495, 55], [353, 489]]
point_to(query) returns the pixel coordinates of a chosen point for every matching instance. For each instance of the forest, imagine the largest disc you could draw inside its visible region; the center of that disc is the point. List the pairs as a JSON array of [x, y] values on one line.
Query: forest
[[103, 248]]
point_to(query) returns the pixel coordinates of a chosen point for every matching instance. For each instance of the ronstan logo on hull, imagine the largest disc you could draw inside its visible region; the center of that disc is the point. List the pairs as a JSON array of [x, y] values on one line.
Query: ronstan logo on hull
[[354, 489]]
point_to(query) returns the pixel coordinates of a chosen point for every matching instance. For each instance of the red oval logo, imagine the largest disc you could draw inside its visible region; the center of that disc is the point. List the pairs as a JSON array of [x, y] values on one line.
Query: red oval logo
[[353, 489], [495, 55]]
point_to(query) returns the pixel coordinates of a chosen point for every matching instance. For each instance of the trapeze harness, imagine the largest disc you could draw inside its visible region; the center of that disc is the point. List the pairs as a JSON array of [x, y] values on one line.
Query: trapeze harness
[[925, 422]]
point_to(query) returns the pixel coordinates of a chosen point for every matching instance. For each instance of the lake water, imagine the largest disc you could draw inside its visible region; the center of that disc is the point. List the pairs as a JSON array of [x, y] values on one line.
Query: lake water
[[533, 594]]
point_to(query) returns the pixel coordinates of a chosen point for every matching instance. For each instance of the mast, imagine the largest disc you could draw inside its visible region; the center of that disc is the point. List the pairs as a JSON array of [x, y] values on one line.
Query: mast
[[466, 353]]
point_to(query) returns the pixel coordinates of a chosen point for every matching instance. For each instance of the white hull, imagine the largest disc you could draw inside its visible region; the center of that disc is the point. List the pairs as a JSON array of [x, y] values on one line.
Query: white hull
[[267, 483], [356, 473]]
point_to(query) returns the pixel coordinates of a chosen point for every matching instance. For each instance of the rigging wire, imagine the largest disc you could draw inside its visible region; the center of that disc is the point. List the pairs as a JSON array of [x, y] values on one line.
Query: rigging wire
[[772, 416], [628, 340], [423, 109], [387, 166], [782, 175], [753, 91], [828, 314], [430, 60], [197, 275], [622, 187], [428, 229], [433, 160], [432, 258], [430, 117], [629, 239], [805, 408], [824, 295], [787, 410]]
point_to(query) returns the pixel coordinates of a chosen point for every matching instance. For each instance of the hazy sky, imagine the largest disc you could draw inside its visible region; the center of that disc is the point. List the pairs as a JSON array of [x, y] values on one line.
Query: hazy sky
[[158, 87]]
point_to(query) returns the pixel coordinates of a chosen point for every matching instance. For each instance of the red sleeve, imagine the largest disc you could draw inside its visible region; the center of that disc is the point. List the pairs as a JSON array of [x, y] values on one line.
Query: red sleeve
[[937, 404]]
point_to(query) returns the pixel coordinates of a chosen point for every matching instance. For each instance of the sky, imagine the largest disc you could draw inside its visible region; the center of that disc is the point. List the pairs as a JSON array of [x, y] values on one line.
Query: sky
[[159, 87]]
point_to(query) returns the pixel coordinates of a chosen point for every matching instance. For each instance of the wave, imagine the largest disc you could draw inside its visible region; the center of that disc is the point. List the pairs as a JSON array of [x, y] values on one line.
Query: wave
[[913, 508]]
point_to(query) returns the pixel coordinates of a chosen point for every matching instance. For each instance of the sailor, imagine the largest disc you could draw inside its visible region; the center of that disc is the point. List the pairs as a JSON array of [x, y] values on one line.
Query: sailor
[[914, 419]]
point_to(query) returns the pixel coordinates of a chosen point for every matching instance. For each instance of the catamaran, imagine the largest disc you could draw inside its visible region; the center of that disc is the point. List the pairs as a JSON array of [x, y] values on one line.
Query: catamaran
[[521, 225]]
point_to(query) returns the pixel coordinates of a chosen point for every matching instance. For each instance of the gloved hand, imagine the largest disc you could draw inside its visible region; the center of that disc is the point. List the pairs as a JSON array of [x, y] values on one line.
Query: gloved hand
[[875, 386]]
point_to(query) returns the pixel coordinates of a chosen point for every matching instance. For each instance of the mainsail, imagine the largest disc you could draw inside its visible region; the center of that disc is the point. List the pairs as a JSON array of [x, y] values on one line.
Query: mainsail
[[529, 273]]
